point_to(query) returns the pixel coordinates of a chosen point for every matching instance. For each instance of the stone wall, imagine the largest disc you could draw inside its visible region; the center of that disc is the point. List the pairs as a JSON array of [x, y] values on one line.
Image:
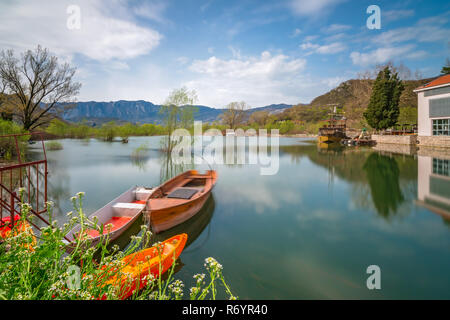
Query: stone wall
[[407, 149], [434, 141], [440, 153], [392, 139]]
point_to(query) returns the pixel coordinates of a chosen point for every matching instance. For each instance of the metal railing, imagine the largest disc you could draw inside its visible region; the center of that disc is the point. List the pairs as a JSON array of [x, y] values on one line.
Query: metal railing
[[29, 177]]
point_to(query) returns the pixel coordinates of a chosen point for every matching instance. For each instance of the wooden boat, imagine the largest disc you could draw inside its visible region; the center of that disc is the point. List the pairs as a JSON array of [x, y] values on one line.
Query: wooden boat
[[20, 226], [179, 199], [138, 266], [335, 130], [193, 227], [120, 214]]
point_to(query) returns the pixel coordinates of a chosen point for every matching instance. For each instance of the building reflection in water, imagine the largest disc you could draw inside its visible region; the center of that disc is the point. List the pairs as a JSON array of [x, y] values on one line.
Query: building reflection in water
[[433, 190]]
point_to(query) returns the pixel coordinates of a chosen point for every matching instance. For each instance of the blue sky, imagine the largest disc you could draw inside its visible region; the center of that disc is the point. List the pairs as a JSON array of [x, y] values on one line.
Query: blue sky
[[261, 52]]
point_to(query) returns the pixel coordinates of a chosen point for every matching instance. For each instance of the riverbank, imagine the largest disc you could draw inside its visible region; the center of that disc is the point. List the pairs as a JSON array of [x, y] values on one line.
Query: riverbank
[[442, 142]]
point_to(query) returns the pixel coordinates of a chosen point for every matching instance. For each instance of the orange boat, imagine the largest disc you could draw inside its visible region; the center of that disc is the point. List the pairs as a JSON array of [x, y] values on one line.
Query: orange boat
[[20, 226], [179, 199], [138, 266]]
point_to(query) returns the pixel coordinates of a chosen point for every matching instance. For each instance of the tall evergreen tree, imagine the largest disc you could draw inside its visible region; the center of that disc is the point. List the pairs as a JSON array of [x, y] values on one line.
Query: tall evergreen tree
[[446, 68], [383, 110]]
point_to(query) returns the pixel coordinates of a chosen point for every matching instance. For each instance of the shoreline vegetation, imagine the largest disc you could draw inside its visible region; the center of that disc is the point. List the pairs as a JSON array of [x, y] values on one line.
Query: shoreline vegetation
[[40, 269], [111, 131]]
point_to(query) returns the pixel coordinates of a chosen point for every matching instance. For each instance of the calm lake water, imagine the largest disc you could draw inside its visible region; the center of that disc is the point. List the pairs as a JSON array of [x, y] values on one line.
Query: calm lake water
[[308, 232]]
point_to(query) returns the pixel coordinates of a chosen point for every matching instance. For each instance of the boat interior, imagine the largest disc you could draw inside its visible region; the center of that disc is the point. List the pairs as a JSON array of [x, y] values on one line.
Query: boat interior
[[181, 189], [120, 211]]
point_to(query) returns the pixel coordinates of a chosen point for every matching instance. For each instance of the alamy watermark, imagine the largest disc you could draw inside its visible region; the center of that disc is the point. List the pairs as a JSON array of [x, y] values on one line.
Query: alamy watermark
[[74, 277], [374, 20], [374, 280], [235, 147], [74, 18]]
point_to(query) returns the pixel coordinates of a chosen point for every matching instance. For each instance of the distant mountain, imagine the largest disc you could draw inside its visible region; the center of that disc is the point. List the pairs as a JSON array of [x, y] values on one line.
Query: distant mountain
[[144, 111]]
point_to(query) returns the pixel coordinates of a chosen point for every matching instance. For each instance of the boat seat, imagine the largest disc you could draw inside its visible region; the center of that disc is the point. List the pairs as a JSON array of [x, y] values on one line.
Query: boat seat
[[127, 209], [143, 193], [183, 193]]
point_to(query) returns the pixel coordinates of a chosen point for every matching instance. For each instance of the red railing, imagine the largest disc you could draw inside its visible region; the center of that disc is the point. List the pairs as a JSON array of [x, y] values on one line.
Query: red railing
[[29, 177]]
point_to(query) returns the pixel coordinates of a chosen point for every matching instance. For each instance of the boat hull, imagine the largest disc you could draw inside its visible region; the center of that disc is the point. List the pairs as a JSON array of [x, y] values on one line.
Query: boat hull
[[168, 218], [120, 208], [329, 139], [166, 213], [154, 261]]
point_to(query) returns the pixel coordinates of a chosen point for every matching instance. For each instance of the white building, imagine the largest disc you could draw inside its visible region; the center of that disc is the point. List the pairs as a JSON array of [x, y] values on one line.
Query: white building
[[434, 112]]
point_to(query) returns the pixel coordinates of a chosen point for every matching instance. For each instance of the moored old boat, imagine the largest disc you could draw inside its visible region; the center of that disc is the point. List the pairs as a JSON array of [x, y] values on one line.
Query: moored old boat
[[179, 199], [335, 130], [116, 217]]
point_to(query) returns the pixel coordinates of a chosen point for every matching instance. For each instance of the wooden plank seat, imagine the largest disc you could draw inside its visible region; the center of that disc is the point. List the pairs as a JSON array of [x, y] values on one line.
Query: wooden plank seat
[[183, 193]]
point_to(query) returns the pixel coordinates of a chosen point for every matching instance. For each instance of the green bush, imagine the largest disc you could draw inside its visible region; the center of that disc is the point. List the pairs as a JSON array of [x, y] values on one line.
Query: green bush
[[7, 144], [53, 146]]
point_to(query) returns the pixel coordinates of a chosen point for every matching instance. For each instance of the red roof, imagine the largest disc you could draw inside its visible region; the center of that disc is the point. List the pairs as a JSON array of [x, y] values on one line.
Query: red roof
[[436, 82]]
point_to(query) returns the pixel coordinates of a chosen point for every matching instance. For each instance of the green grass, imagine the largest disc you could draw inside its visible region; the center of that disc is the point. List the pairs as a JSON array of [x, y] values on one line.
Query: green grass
[[48, 272], [53, 146]]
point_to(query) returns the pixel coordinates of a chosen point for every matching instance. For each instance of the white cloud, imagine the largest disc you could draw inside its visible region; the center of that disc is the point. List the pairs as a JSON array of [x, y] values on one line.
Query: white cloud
[[333, 82], [296, 32], [431, 29], [257, 80], [182, 60], [416, 33], [153, 10], [310, 38], [380, 55], [104, 34], [315, 7], [393, 15], [308, 46], [336, 28], [331, 48]]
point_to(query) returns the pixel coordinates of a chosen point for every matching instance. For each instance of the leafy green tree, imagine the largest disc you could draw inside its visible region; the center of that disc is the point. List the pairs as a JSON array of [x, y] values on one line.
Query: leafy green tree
[[174, 116], [408, 115], [446, 68], [125, 131], [108, 131], [58, 128], [383, 109]]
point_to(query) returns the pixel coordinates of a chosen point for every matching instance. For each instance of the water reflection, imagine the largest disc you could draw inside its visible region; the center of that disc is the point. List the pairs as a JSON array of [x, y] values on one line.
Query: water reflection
[[194, 227], [381, 182], [170, 168], [434, 185], [383, 178]]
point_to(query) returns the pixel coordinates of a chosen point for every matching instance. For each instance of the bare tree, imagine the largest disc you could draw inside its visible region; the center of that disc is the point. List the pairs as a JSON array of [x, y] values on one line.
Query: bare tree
[[259, 117], [37, 84], [235, 114]]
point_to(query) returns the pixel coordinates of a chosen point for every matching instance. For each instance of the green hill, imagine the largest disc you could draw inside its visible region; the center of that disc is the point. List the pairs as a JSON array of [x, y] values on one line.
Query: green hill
[[353, 97]]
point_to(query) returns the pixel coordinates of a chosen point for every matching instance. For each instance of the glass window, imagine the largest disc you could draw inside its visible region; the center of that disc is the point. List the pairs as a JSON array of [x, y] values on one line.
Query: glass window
[[441, 127], [441, 167]]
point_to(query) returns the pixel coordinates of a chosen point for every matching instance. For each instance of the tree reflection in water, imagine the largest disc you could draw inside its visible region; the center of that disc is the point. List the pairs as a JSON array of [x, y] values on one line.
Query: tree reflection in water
[[383, 178]]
